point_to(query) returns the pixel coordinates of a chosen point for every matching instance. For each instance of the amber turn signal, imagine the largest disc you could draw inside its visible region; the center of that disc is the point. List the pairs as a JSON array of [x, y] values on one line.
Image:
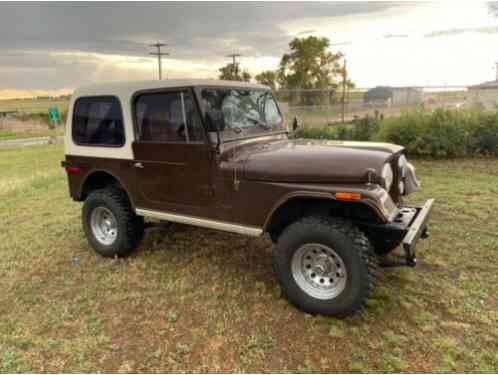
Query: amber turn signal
[[347, 196]]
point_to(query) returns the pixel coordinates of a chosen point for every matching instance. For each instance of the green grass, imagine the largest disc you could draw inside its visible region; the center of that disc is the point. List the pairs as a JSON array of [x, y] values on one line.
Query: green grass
[[202, 301], [33, 105], [9, 135]]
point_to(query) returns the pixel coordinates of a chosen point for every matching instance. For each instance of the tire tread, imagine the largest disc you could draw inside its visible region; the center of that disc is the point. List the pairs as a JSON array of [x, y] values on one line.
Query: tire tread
[[360, 244], [133, 224]]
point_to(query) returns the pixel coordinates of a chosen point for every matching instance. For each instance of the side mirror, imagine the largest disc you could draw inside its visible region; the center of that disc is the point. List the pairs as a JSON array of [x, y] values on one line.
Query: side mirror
[[295, 123], [215, 120]]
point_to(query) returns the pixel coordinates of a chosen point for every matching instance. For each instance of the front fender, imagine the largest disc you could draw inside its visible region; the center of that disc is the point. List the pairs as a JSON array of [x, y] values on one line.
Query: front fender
[[372, 198]]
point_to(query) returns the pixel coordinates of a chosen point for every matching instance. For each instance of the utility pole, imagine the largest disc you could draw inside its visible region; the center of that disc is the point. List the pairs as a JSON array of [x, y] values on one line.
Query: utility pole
[[496, 68], [344, 79], [159, 55], [234, 64]]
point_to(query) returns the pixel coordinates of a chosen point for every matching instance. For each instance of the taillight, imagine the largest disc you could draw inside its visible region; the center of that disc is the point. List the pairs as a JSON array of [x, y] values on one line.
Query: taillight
[[72, 169]]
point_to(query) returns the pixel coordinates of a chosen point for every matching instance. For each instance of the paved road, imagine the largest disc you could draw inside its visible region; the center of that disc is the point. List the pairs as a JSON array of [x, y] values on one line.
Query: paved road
[[29, 141]]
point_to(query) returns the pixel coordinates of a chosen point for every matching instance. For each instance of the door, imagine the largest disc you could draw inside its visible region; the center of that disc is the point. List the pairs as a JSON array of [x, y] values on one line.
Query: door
[[173, 160]]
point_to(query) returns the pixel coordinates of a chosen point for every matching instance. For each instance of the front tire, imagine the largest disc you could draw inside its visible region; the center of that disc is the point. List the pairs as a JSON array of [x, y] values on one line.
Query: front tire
[[325, 266], [111, 226]]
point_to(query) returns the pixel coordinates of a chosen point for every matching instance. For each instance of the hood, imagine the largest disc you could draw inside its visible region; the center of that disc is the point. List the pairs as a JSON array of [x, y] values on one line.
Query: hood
[[300, 160]]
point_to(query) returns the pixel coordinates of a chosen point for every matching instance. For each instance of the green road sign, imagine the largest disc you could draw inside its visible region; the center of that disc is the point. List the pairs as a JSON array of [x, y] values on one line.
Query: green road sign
[[54, 115]]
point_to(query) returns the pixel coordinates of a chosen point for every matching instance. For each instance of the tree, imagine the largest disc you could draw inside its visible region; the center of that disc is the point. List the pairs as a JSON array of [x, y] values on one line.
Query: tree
[[246, 77], [309, 65], [232, 72], [268, 78]]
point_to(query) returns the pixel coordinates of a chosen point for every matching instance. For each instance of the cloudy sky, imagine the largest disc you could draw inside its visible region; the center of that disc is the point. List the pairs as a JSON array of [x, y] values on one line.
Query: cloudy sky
[[54, 47]]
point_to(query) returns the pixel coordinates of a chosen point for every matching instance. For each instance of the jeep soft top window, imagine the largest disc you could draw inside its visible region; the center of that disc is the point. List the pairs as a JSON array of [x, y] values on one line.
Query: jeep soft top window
[[168, 117], [245, 111], [98, 121]]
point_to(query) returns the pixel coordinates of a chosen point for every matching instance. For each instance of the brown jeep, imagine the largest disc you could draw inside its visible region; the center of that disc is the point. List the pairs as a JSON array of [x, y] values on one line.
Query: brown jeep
[[216, 154]]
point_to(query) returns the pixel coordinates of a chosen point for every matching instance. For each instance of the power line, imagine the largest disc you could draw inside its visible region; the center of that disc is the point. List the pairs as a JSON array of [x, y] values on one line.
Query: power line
[[159, 55]]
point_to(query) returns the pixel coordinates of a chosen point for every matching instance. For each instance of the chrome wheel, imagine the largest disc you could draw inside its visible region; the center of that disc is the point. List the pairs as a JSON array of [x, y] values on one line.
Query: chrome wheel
[[319, 271], [104, 225]]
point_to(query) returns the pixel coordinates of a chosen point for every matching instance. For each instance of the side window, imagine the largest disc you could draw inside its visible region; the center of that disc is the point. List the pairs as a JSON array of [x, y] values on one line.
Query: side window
[[98, 121], [272, 115], [168, 117]]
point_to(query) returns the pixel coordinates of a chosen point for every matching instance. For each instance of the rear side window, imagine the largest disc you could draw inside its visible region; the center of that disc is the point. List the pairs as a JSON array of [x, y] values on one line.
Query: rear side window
[[168, 117], [98, 121]]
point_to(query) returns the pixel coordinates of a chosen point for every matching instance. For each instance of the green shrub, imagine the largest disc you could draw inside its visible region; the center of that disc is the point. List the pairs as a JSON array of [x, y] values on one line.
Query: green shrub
[[441, 134], [321, 132], [344, 132], [366, 127], [403, 130], [483, 134]]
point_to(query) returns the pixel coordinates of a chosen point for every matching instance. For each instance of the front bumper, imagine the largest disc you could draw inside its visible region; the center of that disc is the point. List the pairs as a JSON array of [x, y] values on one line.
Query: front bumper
[[416, 230], [409, 225]]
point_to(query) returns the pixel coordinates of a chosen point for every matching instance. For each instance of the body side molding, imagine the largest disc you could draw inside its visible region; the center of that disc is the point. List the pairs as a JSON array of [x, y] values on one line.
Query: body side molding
[[200, 222]]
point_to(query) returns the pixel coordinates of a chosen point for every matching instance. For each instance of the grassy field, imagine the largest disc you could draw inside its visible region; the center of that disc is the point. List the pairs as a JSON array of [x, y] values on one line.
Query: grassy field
[[8, 135], [199, 300], [33, 105]]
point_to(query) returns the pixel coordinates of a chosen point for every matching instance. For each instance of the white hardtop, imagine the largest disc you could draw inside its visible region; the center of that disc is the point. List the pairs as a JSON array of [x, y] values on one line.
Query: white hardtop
[[125, 91], [128, 88]]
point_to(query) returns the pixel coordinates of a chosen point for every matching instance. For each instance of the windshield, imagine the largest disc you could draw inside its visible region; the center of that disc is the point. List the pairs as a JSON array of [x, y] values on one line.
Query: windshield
[[245, 111]]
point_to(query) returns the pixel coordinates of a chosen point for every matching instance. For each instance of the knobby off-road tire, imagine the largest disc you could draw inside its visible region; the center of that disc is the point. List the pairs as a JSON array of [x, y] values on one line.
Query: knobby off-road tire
[[109, 223], [336, 240]]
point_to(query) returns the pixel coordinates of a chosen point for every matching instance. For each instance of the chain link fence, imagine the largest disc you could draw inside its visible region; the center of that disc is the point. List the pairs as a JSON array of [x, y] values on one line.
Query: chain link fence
[[329, 107], [312, 107]]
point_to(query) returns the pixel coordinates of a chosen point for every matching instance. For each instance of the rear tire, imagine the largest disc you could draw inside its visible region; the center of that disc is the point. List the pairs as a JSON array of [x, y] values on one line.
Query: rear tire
[[111, 226], [325, 266]]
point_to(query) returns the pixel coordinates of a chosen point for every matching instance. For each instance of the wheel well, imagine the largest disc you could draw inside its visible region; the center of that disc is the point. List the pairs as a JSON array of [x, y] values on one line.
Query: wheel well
[[98, 180], [295, 208]]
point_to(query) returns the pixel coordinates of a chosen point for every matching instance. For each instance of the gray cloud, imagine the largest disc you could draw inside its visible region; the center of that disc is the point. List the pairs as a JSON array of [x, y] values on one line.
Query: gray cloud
[[493, 7], [305, 32], [457, 31], [206, 32]]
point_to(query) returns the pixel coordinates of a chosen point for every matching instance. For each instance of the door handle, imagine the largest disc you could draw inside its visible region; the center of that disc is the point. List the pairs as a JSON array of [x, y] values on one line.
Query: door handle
[[138, 165]]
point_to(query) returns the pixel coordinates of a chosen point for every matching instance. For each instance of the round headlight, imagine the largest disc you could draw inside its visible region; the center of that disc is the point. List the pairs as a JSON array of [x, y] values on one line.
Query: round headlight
[[402, 162], [388, 176]]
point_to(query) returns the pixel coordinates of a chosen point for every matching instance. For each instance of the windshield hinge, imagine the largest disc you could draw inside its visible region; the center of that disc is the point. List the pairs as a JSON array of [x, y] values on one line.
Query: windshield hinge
[[236, 184], [236, 181]]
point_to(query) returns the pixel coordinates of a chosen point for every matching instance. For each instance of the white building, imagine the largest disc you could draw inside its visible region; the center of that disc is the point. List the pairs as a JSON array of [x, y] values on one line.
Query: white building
[[406, 95], [485, 93], [393, 96]]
